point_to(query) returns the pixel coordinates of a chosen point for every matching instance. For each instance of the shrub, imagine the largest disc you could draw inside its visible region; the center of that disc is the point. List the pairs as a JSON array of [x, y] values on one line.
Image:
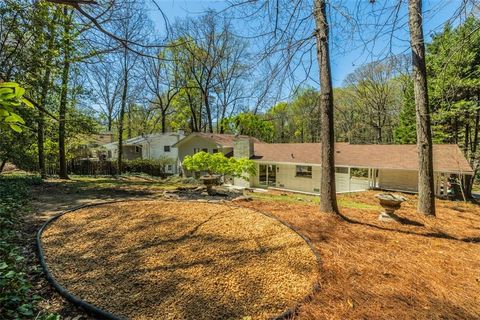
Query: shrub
[[16, 298]]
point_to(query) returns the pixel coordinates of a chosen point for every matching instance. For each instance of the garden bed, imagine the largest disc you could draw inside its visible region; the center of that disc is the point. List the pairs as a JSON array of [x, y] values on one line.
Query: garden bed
[[180, 260]]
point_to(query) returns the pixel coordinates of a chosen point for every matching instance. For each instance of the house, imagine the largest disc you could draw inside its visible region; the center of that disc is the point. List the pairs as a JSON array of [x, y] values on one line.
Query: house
[[208, 142], [297, 166], [151, 146], [91, 145]]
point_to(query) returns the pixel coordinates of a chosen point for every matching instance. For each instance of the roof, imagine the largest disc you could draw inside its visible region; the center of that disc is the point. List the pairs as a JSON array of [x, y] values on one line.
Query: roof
[[139, 139], [446, 157], [220, 139]]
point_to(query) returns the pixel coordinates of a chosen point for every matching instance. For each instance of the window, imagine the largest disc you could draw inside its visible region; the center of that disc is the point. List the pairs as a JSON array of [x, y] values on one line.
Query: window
[[214, 150], [205, 150], [196, 150], [304, 171], [341, 170], [169, 167], [166, 148], [109, 154], [138, 149]]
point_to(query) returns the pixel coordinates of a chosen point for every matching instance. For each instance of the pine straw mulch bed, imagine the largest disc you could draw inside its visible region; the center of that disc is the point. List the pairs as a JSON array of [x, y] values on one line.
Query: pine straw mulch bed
[[426, 269], [180, 260]]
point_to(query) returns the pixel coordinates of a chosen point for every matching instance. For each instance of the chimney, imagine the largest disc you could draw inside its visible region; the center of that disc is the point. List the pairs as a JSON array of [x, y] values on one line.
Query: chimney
[[243, 147], [181, 132]]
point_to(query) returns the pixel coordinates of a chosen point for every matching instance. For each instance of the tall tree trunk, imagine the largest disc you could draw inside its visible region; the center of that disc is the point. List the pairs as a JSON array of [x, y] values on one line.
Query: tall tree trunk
[[328, 197], [426, 194], [41, 125], [129, 129], [208, 110], [109, 122], [63, 174], [2, 165], [121, 117], [473, 154], [164, 120], [43, 98]]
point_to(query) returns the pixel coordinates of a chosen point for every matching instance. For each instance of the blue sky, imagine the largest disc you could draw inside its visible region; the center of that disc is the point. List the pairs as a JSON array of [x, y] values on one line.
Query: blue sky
[[346, 55]]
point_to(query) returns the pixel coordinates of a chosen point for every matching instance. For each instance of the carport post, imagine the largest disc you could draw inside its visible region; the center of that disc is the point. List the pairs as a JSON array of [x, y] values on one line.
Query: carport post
[[349, 179]]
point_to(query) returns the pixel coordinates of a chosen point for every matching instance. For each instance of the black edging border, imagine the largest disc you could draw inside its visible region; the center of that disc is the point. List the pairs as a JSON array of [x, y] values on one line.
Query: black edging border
[[103, 314]]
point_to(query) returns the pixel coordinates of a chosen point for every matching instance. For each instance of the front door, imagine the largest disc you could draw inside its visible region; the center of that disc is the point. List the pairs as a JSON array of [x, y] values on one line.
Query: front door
[[267, 175]]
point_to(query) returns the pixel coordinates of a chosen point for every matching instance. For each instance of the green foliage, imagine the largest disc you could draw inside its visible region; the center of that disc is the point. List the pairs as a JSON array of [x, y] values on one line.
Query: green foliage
[[217, 163], [17, 300], [155, 167], [453, 65], [11, 98], [406, 131], [247, 123]]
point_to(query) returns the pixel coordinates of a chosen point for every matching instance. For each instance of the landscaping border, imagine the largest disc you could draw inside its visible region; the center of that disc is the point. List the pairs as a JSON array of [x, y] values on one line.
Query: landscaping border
[[103, 314]]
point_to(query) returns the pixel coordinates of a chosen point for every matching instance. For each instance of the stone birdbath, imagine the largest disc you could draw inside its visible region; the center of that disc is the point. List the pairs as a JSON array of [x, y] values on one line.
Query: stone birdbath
[[390, 202], [209, 181]]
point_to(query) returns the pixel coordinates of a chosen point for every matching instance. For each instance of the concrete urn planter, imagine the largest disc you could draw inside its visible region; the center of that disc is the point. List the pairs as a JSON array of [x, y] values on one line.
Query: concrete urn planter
[[209, 181], [390, 203]]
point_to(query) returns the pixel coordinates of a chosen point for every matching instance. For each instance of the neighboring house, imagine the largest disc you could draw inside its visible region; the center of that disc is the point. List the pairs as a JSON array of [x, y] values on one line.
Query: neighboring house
[[297, 166], [91, 146], [152, 146]]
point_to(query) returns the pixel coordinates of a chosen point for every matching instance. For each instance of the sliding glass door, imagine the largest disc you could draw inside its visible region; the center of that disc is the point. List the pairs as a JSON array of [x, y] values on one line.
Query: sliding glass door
[[267, 175]]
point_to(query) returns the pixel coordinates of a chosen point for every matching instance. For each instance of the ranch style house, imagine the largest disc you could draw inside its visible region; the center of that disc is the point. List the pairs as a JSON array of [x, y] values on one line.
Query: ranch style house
[[297, 166]]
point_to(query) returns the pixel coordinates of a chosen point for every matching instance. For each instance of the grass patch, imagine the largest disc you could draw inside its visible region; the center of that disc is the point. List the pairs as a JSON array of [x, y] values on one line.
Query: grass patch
[[344, 201]]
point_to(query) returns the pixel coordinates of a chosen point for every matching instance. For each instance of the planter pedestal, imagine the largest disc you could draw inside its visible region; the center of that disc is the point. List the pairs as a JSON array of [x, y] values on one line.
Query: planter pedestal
[[389, 202]]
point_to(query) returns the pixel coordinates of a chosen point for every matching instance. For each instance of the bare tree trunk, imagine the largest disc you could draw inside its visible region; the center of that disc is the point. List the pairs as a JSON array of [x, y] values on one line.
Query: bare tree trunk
[[164, 121], [208, 110], [129, 114], [328, 198], [2, 165], [473, 155], [41, 126], [43, 100], [426, 194], [63, 174], [121, 117]]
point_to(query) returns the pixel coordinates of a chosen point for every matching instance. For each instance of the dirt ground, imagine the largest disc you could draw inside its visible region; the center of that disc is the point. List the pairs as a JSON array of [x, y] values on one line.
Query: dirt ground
[[423, 269]]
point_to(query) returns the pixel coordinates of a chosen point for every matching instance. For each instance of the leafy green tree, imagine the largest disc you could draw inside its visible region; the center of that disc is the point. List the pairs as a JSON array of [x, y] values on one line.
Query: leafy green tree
[[453, 59], [219, 164], [247, 123]]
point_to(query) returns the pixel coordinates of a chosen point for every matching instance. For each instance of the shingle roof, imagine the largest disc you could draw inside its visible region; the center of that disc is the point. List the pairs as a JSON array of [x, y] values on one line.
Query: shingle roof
[[446, 157], [221, 139]]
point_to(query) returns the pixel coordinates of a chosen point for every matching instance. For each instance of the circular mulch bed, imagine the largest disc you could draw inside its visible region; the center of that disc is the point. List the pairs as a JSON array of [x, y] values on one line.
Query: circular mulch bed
[[180, 260]]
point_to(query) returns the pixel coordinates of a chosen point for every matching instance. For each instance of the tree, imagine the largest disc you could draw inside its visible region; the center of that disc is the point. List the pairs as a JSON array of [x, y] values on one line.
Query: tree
[[66, 63], [161, 80], [375, 94], [426, 193], [454, 86], [247, 123], [328, 198], [219, 164]]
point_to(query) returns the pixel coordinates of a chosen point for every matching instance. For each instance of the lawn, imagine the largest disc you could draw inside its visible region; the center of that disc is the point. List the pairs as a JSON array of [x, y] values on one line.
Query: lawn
[[427, 269]]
